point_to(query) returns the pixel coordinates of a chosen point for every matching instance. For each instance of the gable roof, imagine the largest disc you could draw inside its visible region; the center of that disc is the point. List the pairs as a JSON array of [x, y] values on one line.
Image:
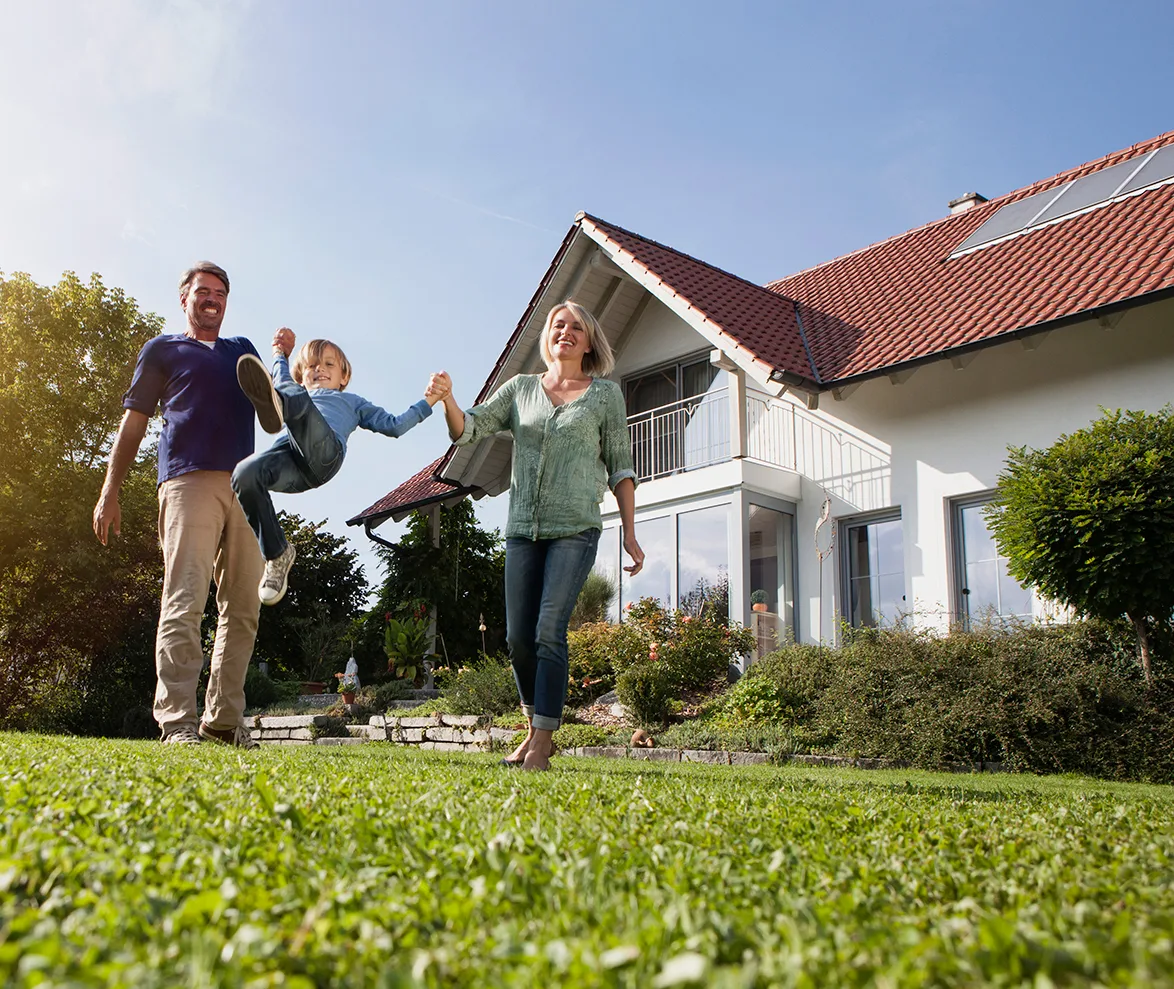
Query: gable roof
[[747, 316], [906, 300]]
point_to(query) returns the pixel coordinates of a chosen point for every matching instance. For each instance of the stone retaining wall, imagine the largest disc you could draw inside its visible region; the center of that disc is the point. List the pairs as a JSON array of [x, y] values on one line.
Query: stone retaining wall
[[469, 733]]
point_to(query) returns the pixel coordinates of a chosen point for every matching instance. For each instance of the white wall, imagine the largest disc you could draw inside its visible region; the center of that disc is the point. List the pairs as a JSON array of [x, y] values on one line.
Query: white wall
[[948, 431], [660, 336]]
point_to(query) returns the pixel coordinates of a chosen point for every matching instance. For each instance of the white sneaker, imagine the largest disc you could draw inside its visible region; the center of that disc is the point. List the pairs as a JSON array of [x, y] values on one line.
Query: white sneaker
[[240, 736], [276, 580], [255, 382], [183, 735]]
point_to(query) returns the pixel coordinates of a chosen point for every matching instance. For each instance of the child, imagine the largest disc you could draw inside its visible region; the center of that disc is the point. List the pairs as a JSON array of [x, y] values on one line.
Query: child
[[319, 415]]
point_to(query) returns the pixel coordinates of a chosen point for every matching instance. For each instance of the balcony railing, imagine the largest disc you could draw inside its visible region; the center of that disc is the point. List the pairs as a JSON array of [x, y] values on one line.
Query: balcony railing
[[695, 432], [680, 436]]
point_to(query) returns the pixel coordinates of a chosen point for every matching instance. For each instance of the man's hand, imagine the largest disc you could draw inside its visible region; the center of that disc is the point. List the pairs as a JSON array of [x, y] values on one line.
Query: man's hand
[[283, 341], [107, 516]]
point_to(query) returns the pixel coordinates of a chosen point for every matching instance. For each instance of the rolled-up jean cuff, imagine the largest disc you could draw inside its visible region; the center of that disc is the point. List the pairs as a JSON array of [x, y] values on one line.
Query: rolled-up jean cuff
[[528, 710], [543, 723]]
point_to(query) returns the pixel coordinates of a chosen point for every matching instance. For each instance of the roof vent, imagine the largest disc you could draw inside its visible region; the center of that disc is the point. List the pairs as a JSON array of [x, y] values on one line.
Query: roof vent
[[968, 201]]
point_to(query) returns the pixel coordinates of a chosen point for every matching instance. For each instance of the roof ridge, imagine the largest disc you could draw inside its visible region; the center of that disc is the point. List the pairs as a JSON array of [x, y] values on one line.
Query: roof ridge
[[1124, 154], [689, 257]]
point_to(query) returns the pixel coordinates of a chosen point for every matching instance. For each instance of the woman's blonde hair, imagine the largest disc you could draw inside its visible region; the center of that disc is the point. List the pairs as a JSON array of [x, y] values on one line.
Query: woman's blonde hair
[[599, 359], [311, 353]]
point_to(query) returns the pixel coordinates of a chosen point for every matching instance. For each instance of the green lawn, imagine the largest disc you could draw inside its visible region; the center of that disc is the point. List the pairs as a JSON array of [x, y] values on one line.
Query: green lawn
[[131, 864]]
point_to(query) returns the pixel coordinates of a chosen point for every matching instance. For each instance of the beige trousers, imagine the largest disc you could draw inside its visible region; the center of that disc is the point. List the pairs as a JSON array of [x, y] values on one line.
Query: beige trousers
[[204, 535]]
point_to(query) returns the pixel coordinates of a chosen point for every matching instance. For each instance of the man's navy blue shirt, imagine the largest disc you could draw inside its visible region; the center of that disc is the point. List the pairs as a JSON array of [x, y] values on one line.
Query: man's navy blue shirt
[[207, 420]]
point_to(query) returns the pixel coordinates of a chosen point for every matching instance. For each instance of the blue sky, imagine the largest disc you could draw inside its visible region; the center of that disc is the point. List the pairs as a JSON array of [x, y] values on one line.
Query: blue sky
[[397, 176]]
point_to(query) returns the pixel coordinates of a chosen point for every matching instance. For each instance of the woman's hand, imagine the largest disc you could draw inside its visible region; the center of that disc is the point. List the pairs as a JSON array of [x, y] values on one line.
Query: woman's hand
[[439, 388], [632, 548]]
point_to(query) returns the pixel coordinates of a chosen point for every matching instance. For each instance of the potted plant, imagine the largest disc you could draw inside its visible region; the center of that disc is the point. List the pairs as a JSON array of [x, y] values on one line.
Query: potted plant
[[347, 685], [758, 600]]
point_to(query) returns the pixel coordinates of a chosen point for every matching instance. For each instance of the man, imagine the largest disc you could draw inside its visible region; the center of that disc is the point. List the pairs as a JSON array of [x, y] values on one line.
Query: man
[[207, 430]]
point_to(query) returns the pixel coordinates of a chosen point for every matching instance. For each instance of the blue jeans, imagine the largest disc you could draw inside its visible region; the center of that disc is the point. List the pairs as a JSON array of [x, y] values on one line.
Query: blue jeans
[[306, 456], [543, 578]]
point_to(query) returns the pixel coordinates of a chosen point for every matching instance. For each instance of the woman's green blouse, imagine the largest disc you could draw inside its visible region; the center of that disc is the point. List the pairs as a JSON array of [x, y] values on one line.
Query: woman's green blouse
[[563, 454]]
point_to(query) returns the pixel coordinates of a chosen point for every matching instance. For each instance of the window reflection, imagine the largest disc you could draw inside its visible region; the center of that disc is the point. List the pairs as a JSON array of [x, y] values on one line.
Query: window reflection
[[655, 537], [607, 563], [987, 589], [703, 566]]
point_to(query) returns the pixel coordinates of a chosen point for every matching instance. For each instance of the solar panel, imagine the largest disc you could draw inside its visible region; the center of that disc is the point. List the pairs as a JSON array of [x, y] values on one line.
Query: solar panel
[[1091, 189], [1010, 219], [1159, 168]]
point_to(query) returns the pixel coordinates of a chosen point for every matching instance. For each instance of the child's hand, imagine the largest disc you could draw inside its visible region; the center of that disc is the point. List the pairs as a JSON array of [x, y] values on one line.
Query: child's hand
[[439, 388], [283, 341]]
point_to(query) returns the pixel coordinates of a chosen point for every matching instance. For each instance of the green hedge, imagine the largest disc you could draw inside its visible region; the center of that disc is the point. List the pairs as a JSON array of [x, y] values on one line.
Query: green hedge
[[1059, 698]]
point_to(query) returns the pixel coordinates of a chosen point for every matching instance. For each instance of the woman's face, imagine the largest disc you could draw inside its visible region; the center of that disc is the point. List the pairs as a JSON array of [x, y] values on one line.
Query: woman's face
[[566, 339]]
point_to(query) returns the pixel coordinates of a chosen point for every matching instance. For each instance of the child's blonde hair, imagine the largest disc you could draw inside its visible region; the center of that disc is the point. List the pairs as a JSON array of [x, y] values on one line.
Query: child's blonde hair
[[311, 353]]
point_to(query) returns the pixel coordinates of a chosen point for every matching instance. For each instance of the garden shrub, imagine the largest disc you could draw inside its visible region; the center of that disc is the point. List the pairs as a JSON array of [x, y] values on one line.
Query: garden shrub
[[597, 652], [715, 734], [260, 691], [486, 688], [1059, 698], [647, 690]]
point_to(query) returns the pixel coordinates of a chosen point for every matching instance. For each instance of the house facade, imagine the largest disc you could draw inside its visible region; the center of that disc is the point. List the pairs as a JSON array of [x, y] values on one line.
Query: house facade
[[824, 445]]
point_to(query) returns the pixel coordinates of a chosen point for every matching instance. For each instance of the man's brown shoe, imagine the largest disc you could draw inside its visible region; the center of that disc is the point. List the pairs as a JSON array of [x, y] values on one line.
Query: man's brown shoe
[[240, 736]]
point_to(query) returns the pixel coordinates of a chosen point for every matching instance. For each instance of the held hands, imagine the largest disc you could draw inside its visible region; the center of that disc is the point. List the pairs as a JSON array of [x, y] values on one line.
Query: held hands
[[439, 388], [632, 548], [283, 341]]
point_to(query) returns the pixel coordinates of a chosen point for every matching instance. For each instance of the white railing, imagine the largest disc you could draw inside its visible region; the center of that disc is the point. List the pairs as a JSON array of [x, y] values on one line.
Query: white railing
[[695, 432], [691, 433]]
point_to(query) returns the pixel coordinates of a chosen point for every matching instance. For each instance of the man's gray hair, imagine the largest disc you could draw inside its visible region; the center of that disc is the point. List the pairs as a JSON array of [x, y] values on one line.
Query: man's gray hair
[[208, 268]]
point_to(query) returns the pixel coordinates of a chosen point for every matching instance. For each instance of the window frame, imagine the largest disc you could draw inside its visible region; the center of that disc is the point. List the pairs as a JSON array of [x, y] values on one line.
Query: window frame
[[960, 605], [844, 556]]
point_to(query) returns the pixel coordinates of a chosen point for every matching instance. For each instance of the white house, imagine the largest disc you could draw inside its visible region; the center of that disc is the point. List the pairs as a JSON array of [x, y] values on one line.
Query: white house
[[881, 388]]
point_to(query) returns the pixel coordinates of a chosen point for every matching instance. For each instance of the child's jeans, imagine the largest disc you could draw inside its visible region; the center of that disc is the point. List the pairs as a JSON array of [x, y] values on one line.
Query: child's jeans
[[306, 456]]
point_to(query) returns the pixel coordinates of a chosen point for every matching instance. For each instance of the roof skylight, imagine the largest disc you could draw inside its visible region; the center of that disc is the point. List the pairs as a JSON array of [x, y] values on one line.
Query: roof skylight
[[1090, 192]]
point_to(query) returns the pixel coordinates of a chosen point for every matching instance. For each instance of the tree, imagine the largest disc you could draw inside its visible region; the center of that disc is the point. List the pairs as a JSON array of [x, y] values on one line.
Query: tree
[[76, 620], [464, 578], [305, 635], [1090, 520]]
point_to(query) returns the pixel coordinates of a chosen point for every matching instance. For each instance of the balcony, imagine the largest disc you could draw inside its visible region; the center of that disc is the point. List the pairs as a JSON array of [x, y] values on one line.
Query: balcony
[[704, 430]]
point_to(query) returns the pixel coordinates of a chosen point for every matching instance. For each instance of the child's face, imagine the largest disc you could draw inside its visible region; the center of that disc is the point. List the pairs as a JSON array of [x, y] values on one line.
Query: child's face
[[327, 373]]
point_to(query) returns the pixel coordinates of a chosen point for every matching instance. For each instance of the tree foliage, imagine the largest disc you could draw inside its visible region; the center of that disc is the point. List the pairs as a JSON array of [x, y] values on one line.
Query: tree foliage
[[76, 620], [307, 635], [464, 578], [1090, 520]]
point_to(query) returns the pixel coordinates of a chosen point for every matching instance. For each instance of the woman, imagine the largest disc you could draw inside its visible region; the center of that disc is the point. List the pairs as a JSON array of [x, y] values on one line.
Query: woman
[[570, 438]]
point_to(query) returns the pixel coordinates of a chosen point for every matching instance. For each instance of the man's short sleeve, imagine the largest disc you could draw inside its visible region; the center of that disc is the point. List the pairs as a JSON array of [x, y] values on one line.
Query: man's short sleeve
[[150, 378]]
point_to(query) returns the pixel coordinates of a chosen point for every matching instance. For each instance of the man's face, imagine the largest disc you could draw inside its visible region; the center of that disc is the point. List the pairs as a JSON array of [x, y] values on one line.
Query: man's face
[[205, 302]]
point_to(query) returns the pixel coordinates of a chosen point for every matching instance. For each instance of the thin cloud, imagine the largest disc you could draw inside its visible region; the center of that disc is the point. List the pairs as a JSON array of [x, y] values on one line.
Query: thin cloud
[[486, 211]]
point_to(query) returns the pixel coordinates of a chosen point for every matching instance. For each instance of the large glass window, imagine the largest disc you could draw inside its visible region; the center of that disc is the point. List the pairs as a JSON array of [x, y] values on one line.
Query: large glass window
[[985, 589], [874, 559], [655, 537], [703, 561]]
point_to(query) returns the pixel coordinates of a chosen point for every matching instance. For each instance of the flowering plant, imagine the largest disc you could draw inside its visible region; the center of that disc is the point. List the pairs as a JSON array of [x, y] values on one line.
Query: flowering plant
[[348, 683]]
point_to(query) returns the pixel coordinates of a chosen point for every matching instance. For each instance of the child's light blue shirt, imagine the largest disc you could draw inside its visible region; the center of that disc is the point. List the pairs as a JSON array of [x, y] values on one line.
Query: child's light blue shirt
[[345, 411]]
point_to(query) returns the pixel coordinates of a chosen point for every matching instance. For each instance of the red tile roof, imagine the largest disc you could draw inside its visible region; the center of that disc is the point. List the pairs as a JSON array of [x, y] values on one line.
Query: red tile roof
[[905, 299], [418, 490], [760, 320]]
